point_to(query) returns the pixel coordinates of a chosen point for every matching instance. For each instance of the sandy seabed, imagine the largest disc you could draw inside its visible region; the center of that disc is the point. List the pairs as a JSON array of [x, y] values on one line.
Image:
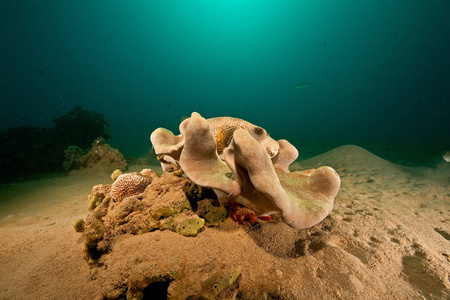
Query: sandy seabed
[[387, 238]]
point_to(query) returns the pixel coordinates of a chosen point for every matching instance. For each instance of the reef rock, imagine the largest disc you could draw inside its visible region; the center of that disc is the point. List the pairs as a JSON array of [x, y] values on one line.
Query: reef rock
[[72, 158], [260, 180], [102, 156], [137, 203]]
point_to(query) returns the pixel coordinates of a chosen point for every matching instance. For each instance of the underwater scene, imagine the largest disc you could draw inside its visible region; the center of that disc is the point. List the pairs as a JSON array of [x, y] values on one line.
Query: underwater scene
[[227, 149]]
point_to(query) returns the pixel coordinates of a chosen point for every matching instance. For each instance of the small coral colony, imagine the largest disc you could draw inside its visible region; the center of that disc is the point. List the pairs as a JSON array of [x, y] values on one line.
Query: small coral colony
[[214, 169]]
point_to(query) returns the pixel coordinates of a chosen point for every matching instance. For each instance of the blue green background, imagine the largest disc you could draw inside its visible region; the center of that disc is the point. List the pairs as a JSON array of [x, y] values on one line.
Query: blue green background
[[380, 69]]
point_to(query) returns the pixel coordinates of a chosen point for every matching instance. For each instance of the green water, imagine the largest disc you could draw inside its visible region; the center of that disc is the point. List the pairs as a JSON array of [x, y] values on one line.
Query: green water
[[379, 69]]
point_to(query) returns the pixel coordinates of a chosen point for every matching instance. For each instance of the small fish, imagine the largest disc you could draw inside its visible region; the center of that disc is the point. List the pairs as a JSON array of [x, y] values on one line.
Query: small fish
[[446, 156], [303, 85]]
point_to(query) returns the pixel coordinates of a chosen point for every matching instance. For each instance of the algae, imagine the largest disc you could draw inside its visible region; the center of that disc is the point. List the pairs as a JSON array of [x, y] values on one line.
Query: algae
[[189, 225], [116, 174], [221, 283], [94, 201], [212, 211], [79, 225], [172, 207]]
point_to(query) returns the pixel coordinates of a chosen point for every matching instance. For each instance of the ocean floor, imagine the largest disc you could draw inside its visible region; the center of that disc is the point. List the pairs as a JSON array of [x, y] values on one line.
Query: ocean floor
[[387, 238]]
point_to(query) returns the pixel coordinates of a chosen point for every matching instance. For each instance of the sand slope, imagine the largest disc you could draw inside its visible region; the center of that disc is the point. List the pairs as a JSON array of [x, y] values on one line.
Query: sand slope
[[388, 238]]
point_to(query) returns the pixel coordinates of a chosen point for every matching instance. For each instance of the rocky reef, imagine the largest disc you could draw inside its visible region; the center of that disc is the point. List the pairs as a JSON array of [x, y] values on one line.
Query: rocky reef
[[103, 156], [99, 158], [137, 203], [72, 158], [215, 169], [30, 150]]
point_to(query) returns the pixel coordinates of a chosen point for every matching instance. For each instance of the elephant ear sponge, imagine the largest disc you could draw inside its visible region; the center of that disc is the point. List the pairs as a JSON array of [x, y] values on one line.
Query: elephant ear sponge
[[128, 184], [303, 198], [259, 167]]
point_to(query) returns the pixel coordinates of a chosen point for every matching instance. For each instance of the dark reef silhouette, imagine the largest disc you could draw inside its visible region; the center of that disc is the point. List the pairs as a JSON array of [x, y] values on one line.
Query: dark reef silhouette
[[31, 150]]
